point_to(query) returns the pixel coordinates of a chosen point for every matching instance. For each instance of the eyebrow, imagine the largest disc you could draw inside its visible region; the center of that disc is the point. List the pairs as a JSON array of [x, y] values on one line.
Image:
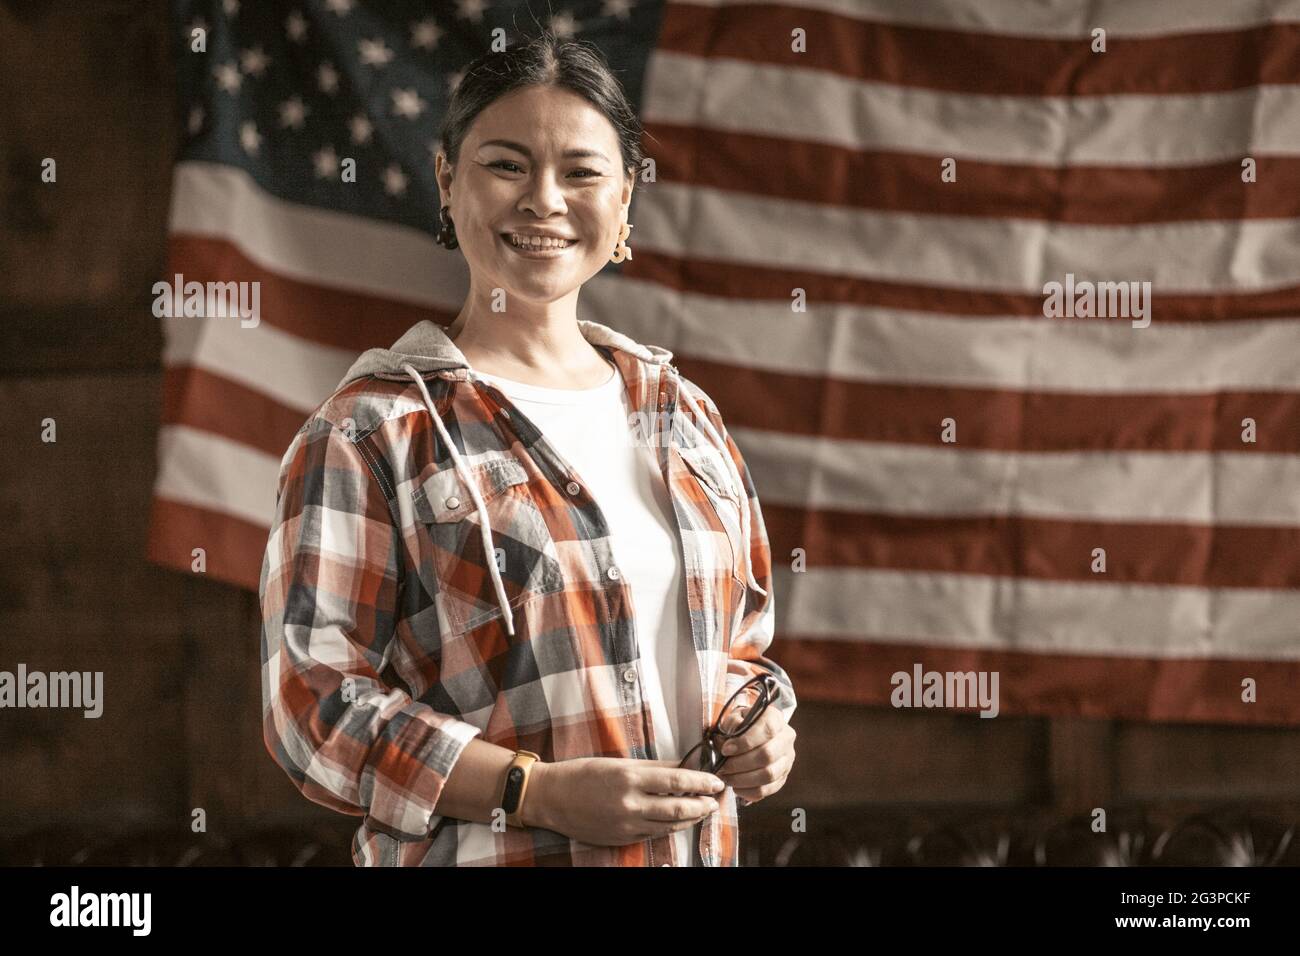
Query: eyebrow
[[521, 148]]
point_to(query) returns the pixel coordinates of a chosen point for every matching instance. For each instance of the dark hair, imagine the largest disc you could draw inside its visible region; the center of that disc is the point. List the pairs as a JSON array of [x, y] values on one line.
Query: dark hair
[[545, 60]]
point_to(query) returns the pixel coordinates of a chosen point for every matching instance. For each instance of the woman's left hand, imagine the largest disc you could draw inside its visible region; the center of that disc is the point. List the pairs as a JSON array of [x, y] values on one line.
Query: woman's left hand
[[759, 760]]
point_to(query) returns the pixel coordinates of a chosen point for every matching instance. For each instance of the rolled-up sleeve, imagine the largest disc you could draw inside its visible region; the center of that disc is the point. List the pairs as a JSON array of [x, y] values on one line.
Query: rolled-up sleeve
[[329, 587]]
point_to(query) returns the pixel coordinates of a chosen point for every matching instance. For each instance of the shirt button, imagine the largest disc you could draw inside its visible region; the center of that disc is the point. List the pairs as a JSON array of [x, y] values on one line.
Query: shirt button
[[665, 864], [573, 488], [453, 502], [629, 675], [613, 574]]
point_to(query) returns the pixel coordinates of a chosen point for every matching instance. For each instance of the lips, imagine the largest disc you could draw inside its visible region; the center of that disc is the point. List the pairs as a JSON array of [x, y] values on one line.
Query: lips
[[539, 253]]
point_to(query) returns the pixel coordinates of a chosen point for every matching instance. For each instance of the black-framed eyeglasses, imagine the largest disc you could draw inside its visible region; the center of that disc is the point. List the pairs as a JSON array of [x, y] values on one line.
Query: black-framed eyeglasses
[[707, 755]]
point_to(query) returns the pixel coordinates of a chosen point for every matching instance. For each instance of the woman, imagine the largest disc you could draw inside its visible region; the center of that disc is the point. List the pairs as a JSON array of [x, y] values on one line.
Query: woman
[[518, 566]]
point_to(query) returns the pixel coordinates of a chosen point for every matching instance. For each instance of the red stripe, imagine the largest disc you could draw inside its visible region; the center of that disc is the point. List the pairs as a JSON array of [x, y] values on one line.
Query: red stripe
[[807, 171], [353, 321], [200, 399], [233, 548], [1129, 688], [997, 419], [720, 279], [1044, 549], [987, 64]]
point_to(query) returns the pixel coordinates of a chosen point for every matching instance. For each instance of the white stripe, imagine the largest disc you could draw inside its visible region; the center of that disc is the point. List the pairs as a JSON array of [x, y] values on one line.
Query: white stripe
[[329, 249], [293, 371], [978, 611], [867, 344], [1013, 255], [208, 471], [1120, 130], [1049, 18], [1189, 487]]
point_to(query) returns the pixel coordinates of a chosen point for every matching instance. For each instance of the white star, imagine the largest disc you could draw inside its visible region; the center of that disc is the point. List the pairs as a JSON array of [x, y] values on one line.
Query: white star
[[196, 120], [394, 181], [296, 26], [563, 25], [340, 7], [254, 61], [228, 77], [230, 6], [374, 53], [617, 8], [249, 137], [328, 78], [425, 34], [407, 103], [361, 129], [471, 9], [326, 163], [293, 112]]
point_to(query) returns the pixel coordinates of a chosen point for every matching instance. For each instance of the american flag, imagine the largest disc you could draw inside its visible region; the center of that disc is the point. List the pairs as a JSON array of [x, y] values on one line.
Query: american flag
[[857, 209]]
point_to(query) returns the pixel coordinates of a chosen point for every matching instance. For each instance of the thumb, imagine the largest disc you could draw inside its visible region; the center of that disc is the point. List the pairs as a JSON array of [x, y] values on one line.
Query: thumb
[[736, 716]]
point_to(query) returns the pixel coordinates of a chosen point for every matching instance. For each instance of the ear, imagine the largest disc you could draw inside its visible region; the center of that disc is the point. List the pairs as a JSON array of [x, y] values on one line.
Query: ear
[[629, 181], [443, 172]]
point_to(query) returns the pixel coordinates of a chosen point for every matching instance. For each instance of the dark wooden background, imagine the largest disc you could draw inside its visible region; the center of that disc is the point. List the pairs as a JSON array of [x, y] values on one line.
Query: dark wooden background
[[90, 85]]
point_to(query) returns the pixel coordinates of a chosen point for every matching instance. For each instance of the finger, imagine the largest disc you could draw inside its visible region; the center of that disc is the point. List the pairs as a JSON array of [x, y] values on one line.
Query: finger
[[677, 781], [755, 794], [674, 809], [736, 717], [764, 729], [759, 756], [759, 776]]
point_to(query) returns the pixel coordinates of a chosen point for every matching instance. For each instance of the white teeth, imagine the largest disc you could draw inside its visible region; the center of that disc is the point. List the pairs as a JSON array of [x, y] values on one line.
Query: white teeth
[[538, 242]]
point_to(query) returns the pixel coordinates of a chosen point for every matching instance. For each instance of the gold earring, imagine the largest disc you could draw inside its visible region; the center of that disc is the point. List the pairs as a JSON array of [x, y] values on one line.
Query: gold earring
[[622, 251]]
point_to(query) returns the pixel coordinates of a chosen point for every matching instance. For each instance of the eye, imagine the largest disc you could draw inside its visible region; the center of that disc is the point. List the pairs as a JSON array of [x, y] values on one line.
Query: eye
[[502, 163]]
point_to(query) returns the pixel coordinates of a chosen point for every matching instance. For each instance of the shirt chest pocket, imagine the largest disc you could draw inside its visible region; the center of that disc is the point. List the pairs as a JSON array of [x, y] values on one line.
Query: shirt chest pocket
[[453, 556], [714, 480]]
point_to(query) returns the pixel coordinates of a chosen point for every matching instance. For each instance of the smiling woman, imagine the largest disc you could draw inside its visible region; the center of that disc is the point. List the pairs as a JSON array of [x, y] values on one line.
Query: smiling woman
[[518, 566], [536, 173]]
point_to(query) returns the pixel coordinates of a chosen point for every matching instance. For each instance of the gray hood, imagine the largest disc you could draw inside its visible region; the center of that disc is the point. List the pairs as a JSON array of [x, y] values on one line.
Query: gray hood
[[426, 346]]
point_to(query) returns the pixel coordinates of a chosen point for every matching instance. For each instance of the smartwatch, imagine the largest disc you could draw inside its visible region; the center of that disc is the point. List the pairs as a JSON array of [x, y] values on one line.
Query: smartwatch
[[512, 796]]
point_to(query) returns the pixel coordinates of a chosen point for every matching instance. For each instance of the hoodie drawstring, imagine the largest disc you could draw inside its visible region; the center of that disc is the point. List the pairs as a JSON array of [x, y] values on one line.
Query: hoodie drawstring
[[485, 524], [739, 482]]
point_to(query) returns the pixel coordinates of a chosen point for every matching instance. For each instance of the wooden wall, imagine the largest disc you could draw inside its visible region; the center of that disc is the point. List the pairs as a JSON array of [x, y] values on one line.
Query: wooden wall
[[181, 726]]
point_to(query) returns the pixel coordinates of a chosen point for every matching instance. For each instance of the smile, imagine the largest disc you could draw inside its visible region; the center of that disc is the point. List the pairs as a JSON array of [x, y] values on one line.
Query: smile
[[535, 247]]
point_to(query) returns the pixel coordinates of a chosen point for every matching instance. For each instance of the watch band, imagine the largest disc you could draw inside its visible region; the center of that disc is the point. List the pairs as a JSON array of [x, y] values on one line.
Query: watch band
[[512, 795]]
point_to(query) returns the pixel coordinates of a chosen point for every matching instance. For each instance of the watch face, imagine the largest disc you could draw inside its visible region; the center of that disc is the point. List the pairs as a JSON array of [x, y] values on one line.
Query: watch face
[[514, 780]]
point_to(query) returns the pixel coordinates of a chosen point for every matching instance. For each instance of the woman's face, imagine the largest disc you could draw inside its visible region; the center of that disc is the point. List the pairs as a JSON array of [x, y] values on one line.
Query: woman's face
[[563, 175]]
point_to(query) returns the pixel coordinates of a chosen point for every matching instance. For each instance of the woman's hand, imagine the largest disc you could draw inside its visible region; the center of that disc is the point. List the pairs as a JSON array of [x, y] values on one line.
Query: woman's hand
[[759, 761], [614, 801]]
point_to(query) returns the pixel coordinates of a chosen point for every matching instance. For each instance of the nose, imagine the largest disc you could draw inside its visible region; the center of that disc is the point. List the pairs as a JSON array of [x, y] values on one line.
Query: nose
[[545, 197]]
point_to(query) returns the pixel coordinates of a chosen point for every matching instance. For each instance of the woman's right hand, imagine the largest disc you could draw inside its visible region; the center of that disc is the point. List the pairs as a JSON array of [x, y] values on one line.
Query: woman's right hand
[[615, 801]]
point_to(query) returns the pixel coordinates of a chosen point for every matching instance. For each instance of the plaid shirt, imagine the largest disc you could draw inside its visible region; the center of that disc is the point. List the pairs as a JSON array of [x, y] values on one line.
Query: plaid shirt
[[398, 624]]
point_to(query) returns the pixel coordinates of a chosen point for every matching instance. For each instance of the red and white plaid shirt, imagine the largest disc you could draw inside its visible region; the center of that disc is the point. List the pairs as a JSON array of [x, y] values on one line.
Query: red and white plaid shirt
[[436, 572]]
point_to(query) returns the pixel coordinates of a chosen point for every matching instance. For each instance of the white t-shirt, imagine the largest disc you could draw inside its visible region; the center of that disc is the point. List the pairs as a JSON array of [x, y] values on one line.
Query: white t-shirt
[[591, 430]]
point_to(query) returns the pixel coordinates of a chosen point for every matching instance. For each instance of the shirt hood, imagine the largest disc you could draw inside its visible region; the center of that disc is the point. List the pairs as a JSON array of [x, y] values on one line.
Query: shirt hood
[[427, 347]]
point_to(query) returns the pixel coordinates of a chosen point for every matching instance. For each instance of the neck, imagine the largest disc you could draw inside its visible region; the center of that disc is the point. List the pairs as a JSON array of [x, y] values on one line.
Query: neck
[[536, 344]]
